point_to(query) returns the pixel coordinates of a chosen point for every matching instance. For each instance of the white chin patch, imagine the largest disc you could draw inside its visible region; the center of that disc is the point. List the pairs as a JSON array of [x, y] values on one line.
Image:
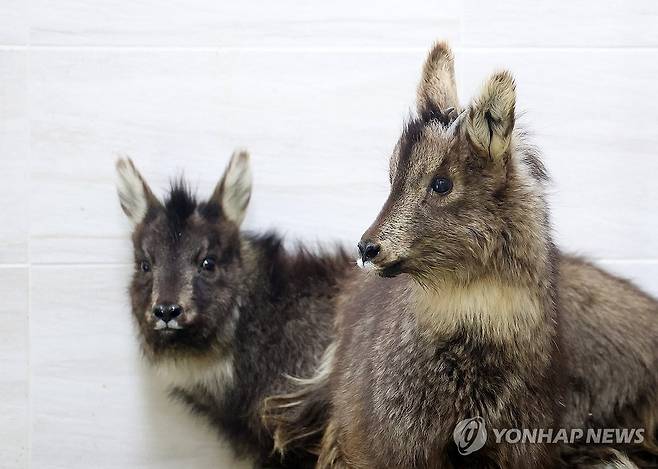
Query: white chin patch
[[367, 265]]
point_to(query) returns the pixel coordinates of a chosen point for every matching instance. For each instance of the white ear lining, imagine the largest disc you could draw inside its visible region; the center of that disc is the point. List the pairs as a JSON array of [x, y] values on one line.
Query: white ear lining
[[491, 116], [132, 191], [437, 87], [236, 187]]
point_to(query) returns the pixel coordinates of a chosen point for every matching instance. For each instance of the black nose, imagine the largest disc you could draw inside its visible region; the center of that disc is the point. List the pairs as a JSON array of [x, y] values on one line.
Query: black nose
[[368, 250], [167, 311]]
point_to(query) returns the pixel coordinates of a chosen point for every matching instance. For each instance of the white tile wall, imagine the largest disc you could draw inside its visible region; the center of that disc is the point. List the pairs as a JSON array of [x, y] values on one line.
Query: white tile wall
[[14, 148], [14, 20], [318, 93], [259, 23], [14, 409], [581, 23], [94, 404]]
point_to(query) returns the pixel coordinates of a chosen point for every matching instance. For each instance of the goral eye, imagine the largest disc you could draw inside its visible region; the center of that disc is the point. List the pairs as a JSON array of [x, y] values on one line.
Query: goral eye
[[208, 264], [441, 185], [145, 266]]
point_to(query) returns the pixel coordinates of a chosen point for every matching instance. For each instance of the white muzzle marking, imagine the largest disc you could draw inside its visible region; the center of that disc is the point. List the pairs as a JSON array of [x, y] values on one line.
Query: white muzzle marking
[[367, 265], [172, 324]]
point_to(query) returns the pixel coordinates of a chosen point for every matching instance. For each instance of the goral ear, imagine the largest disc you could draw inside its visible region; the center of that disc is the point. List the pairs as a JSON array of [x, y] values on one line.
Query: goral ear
[[437, 88], [233, 191], [135, 196], [490, 119]]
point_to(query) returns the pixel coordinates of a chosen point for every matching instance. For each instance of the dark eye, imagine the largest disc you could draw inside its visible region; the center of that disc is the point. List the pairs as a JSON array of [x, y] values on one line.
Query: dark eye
[[441, 185], [145, 266], [208, 264]]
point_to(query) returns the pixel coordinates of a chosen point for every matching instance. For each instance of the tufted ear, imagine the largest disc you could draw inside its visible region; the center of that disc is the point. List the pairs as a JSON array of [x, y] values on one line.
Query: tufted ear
[[233, 191], [490, 119], [135, 196], [437, 87]]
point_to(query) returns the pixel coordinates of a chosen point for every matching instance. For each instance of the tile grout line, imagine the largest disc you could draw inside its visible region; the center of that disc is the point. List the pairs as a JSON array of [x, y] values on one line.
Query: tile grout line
[[318, 49], [30, 358]]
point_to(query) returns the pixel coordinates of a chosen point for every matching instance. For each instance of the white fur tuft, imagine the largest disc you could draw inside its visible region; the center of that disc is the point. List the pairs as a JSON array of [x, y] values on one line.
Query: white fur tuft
[[216, 376], [620, 461], [322, 372]]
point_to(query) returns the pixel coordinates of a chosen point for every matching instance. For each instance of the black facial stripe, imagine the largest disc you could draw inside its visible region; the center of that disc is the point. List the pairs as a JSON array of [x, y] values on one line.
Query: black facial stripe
[[413, 132], [434, 113], [392, 270], [227, 255], [411, 135]]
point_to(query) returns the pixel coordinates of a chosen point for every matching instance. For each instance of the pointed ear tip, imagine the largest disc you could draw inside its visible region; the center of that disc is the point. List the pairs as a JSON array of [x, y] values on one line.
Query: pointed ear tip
[[500, 85], [241, 155], [504, 77], [440, 51], [123, 162], [441, 48]]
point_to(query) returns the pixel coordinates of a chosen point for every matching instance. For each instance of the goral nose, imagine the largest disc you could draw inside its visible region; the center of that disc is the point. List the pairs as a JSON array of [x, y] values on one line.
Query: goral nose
[[368, 250], [167, 311]]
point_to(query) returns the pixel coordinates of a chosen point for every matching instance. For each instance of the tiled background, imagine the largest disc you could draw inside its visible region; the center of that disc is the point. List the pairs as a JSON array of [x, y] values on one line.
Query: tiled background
[[317, 91]]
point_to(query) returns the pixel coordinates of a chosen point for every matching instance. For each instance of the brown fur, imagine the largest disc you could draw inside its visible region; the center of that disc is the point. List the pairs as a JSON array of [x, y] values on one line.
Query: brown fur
[[410, 362], [610, 330]]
